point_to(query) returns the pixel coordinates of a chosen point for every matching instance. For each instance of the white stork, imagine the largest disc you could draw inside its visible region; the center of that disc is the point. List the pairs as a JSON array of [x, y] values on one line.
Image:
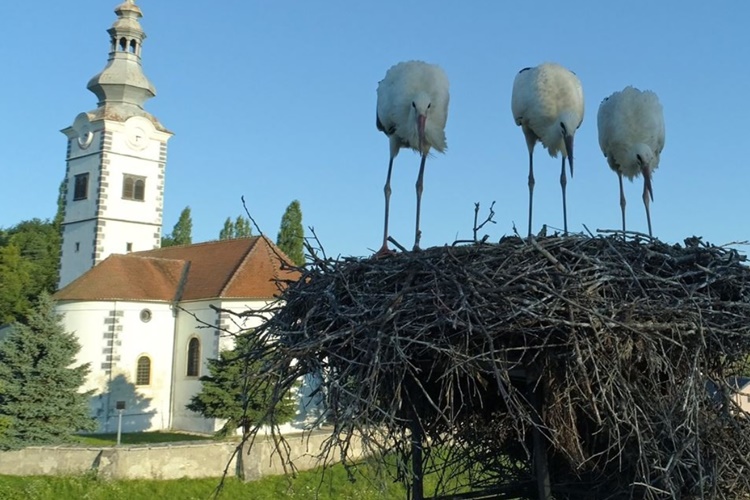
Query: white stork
[[547, 104], [631, 135], [412, 110]]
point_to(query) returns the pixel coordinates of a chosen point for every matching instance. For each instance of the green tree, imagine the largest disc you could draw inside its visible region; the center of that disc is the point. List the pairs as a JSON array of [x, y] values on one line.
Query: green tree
[[60, 214], [291, 235], [240, 228], [225, 393], [15, 279], [40, 402], [39, 243], [227, 232], [182, 232]]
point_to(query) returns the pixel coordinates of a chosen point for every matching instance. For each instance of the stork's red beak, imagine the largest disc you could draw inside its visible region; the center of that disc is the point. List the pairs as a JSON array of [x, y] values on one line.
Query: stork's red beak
[[421, 120]]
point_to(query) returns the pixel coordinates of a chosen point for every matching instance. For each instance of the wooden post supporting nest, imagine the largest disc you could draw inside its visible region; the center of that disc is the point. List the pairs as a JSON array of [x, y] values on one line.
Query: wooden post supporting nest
[[417, 485], [541, 471]]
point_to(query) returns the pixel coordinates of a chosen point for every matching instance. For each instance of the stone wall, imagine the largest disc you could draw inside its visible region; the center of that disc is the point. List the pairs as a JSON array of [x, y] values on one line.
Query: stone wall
[[165, 461]]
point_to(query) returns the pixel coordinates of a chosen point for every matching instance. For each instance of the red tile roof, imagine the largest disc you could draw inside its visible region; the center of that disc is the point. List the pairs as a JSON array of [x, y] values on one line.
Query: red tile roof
[[242, 268]]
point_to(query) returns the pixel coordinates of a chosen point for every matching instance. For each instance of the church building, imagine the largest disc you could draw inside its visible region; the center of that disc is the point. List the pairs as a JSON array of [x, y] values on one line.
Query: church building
[[147, 318]]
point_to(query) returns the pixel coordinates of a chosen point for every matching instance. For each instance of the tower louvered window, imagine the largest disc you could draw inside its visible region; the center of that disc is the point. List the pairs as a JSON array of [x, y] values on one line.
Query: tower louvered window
[[133, 187]]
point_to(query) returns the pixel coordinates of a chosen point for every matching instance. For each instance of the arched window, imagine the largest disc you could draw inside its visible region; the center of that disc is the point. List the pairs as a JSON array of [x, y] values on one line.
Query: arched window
[[133, 187], [132, 46], [194, 357], [123, 44], [140, 187], [143, 371], [128, 187]]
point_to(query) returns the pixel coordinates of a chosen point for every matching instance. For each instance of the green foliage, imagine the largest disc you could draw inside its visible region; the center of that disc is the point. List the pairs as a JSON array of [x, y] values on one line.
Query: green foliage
[[29, 262], [60, 214], [182, 232], [240, 228], [227, 231], [333, 484], [291, 234], [239, 392], [39, 398], [15, 279], [39, 242]]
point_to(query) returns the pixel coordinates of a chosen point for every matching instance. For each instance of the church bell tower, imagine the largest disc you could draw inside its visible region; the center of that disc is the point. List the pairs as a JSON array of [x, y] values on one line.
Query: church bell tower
[[116, 159]]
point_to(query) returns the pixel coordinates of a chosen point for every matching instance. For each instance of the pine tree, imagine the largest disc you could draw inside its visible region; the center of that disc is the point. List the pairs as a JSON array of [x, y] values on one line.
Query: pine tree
[[225, 391], [291, 235], [182, 232], [40, 402]]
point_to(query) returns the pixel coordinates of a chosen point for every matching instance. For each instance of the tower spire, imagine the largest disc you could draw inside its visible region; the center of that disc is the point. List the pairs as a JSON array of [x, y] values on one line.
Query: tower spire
[[122, 84]]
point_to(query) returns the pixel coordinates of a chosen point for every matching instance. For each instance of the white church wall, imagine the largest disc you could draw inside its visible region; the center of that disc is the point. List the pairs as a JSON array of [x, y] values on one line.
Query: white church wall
[[123, 235], [113, 336], [78, 248], [193, 322], [78, 210]]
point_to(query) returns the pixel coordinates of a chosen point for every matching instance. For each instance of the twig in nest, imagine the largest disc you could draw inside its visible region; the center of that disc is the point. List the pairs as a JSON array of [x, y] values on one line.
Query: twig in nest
[[489, 218]]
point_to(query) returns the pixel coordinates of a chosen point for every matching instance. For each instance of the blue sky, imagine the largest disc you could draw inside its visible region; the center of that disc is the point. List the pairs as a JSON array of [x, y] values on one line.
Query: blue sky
[[276, 101]]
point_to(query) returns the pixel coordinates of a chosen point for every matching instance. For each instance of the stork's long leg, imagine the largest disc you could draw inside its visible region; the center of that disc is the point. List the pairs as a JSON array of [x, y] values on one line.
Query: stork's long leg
[[622, 203], [420, 180], [531, 186], [563, 183], [648, 194], [530, 142], [387, 191]]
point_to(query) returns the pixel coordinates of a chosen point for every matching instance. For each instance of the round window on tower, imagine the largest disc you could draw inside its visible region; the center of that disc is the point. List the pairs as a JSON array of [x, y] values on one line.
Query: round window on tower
[[145, 315]]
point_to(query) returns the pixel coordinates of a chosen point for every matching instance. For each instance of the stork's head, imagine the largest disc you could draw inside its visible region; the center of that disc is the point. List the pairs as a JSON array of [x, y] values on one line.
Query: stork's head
[[421, 108], [643, 157]]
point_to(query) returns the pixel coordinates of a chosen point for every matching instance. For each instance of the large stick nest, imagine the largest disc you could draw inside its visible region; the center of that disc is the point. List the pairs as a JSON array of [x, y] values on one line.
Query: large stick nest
[[629, 346]]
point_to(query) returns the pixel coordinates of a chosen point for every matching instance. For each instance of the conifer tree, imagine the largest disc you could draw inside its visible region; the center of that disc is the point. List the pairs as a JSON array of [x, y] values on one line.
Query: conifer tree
[[182, 232], [227, 232], [40, 402], [291, 235], [242, 227], [239, 228]]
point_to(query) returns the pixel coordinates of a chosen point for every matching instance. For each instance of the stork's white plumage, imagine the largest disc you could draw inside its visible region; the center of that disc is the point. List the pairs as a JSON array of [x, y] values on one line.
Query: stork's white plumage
[[412, 110], [631, 135], [547, 104]]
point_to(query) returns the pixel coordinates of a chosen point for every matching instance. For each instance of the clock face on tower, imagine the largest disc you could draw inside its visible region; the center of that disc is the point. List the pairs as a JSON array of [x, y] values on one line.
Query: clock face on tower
[[138, 131], [85, 136], [82, 127]]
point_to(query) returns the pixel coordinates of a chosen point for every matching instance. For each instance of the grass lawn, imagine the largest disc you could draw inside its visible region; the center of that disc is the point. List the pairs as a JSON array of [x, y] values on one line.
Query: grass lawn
[[137, 438], [334, 484]]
